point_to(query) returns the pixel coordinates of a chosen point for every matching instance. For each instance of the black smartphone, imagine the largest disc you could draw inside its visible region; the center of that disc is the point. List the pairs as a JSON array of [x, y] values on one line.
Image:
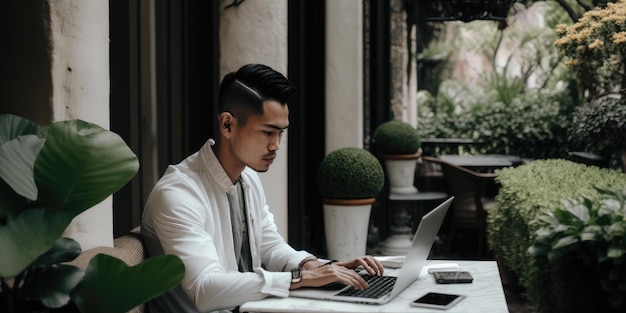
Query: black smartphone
[[453, 277], [437, 300]]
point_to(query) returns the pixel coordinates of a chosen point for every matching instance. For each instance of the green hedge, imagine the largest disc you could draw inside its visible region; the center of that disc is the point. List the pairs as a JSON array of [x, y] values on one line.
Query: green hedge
[[534, 126], [526, 191]]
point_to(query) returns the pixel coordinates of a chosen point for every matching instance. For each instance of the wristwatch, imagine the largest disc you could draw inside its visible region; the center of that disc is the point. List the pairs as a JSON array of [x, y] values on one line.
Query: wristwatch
[[296, 275]]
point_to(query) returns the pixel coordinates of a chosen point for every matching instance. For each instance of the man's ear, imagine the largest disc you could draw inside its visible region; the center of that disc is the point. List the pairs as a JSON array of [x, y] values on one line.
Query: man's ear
[[225, 123]]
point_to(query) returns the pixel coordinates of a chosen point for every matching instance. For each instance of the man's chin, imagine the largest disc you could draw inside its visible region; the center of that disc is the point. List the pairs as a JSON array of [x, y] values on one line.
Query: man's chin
[[259, 169]]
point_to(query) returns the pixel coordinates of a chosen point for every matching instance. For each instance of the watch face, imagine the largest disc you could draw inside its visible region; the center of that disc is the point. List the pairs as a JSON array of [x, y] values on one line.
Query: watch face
[[296, 275]]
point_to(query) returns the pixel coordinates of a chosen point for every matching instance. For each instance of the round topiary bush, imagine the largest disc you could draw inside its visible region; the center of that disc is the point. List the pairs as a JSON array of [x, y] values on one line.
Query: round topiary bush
[[599, 126], [396, 137], [350, 173]]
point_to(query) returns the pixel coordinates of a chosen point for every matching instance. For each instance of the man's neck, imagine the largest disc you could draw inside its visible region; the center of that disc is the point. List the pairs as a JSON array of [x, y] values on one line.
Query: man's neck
[[233, 169]]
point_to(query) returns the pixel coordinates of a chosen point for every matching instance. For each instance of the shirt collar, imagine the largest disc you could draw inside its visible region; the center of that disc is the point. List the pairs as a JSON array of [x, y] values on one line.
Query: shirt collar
[[214, 167]]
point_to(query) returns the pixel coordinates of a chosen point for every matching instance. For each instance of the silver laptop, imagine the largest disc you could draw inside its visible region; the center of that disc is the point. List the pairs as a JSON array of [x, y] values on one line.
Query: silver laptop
[[398, 281]]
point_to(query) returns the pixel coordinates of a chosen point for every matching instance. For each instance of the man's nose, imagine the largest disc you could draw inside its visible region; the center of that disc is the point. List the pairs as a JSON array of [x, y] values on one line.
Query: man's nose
[[274, 144]]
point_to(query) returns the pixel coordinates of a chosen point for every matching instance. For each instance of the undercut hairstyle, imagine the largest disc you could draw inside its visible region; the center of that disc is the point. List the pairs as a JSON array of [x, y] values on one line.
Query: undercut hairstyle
[[242, 93]]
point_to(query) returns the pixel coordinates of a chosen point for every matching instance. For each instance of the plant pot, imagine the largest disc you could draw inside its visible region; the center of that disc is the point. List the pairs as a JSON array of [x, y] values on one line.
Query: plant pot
[[346, 224], [401, 172]]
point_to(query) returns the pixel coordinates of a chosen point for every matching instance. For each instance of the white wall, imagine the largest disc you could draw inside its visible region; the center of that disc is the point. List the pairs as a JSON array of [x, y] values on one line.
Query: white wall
[[256, 32], [344, 74], [80, 90]]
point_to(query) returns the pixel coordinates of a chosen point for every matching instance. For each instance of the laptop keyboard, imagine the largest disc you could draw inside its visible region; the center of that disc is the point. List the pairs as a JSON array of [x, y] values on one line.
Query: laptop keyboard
[[378, 286]]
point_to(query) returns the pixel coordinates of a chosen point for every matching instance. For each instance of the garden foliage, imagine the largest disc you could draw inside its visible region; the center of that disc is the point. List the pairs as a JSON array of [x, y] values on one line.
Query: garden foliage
[[520, 103], [534, 125], [596, 48], [527, 192], [590, 233]]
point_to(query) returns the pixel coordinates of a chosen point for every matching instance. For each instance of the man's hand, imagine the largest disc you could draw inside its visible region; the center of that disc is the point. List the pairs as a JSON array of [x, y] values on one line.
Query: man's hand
[[339, 272], [370, 264]]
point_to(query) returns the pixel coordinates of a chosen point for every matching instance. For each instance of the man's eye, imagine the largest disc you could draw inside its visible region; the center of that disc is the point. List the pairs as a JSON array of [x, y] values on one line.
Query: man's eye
[[267, 132]]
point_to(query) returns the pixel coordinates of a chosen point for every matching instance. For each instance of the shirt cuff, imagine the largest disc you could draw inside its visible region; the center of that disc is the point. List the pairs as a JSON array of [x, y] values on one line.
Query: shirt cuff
[[276, 283]]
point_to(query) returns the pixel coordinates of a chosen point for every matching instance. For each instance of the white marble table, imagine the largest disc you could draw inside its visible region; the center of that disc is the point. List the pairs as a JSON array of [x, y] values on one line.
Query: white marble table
[[484, 295]]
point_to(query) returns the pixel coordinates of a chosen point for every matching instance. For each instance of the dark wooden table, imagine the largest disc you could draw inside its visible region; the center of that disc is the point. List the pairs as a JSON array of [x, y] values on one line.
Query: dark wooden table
[[483, 162]]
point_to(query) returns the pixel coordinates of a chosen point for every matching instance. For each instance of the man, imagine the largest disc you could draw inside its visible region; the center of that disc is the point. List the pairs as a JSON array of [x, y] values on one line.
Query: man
[[211, 210]]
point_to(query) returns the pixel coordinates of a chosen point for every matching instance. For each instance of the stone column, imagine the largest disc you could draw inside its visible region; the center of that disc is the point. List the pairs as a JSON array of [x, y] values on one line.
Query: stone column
[[344, 74], [403, 106], [79, 35], [403, 85], [256, 32]]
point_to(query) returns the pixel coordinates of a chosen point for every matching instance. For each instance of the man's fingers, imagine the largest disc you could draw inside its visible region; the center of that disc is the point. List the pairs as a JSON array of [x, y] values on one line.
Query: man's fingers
[[343, 272], [372, 265], [378, 267], [357, 281], [349, 277]]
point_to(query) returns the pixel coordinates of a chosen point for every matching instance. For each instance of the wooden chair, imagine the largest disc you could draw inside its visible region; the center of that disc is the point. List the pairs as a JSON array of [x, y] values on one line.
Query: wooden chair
[[469, 209]]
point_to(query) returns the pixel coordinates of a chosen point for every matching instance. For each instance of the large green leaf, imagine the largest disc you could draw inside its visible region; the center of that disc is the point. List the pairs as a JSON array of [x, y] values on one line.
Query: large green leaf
[[53, 286], [19, 147], [80, 165], [13, 126], [25, 238], [64, 250], [17, 157], [111, 286], [11, 204]]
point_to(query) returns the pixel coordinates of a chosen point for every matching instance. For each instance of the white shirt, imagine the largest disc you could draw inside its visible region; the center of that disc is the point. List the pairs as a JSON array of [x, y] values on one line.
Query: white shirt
[[187, 214]]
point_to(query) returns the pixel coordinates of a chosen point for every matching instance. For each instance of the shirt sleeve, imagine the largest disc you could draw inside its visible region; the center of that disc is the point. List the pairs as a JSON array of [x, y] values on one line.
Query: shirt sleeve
[[277, 255]]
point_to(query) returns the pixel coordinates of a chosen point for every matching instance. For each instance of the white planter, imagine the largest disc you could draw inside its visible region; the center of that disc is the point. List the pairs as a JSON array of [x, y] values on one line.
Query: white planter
[[346, 229], [397, 245], [401, 173]]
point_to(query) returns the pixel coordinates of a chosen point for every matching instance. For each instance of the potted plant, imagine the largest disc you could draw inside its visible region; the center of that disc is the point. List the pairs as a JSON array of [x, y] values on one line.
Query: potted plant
[[398, 144], [48, 176], [582, 244], [349, 179]]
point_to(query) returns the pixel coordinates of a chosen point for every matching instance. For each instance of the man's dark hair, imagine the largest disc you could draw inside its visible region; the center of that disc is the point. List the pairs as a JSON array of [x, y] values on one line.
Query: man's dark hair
[[242, 93]]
